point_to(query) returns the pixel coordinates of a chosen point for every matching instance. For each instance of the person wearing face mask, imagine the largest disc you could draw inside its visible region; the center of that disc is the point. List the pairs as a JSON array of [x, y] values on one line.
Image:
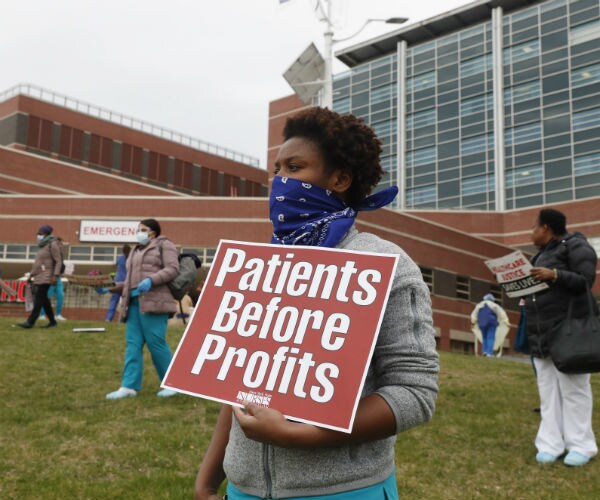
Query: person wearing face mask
[[324, 172], [145, 306], [45, 271]]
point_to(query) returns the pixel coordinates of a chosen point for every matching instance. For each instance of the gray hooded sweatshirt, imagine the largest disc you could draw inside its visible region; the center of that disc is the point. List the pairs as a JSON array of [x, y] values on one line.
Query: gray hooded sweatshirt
[[403, 371]]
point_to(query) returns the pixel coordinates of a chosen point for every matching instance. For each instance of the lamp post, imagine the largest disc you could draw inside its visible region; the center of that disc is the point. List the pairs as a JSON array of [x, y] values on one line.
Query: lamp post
[[329, 41]]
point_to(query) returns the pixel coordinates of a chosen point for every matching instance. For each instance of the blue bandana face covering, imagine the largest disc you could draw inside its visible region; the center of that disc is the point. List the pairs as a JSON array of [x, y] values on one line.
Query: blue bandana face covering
[[305, 214]]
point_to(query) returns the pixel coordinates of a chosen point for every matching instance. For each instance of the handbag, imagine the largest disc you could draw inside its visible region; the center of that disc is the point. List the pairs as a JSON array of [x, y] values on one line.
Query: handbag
[[521, 341], [575, 342]]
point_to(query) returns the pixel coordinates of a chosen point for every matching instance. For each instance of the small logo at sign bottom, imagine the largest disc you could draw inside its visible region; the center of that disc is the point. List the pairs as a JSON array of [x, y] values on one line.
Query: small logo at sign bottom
[[258, 398]]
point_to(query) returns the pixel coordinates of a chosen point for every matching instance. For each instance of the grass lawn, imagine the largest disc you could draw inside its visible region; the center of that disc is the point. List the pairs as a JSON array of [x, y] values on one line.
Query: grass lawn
[[61, 439]]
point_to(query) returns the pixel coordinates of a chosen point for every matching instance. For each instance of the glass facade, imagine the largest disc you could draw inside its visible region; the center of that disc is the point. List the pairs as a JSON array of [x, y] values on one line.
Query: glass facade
[[370, 91], [549, 67]]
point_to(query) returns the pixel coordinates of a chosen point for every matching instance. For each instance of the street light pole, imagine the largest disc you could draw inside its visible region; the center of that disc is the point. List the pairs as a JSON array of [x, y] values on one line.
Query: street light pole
[[327, 96], [329, 41]]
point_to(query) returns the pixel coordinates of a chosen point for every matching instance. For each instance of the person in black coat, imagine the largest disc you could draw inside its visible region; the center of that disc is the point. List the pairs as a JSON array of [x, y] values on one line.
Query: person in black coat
[[567, 263]]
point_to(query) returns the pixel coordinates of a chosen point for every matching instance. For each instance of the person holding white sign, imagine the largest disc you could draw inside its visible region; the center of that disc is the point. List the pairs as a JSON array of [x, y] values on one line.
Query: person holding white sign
[[324, 172], [567, 262]]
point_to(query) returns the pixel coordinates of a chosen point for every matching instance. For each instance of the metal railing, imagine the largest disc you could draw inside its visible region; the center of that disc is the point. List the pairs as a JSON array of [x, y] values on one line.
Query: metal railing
[[50, 96]]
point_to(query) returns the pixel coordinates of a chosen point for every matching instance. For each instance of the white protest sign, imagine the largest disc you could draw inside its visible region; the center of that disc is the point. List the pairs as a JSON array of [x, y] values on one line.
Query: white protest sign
[[513, 272]]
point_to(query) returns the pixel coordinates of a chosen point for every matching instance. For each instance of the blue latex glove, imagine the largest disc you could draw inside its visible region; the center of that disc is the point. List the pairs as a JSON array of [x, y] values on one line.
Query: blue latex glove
[[102, 291], [145, 285]]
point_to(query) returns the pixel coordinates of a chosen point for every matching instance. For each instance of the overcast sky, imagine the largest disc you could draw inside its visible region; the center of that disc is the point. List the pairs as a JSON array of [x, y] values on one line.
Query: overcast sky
[[206, 68]]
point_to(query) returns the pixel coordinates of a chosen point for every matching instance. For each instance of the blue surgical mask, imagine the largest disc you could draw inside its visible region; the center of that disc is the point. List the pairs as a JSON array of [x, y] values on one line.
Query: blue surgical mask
[[40, 237], [142, 237]]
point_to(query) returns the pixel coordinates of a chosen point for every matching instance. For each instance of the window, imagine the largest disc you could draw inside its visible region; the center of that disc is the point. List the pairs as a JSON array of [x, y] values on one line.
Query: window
[[462, 287], [421, 195], [384, 128], [586, 119], [416, 120], [588, 164], [585, 76], [521, 52], [529, 90], [523, 176], [476, 104], [478, 184], [81, 252], [342, 105], [424, 47], [476, 144], [524, 133], [421, 82], [421, 156], [427, 277], [475, 65], [584, 32], [104, 254], [383, 93], [16, 252]]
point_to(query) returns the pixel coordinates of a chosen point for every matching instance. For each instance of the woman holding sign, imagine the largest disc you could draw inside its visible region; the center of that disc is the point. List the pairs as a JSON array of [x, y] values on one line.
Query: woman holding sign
[[567, 262], [324, 172]]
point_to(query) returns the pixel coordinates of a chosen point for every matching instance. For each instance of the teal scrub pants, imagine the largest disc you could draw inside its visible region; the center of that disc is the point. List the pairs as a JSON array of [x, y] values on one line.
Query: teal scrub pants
[[386, 490], [143, 328], [57, 290]]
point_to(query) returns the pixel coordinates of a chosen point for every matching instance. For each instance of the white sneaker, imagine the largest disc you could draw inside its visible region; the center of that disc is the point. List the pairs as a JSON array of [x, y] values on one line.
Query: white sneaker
[[60, 317], [123, 392], [166, 393]]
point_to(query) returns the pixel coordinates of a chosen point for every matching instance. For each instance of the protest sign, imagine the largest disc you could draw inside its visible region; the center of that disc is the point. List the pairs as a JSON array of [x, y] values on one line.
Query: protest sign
[[291, 328], [13, 290], [513, 272]]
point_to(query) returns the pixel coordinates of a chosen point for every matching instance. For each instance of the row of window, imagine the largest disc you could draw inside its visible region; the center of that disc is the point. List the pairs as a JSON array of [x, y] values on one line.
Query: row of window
[[517, 57], [517, 26], [514, 136], [85, 253], [512, 96], [585, 165], [473, 191], [579, 75]]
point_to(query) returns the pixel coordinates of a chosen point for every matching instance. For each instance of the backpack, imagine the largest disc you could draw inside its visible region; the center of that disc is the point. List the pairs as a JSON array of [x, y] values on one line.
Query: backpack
[[63, 254], [486, 317], [186, 277]]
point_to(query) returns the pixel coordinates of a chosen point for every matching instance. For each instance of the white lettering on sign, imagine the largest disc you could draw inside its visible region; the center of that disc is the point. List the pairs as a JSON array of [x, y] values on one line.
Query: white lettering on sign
[[283, 276]]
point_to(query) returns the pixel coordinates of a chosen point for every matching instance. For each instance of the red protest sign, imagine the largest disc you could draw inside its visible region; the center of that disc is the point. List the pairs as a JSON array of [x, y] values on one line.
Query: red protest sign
[[291, 328]]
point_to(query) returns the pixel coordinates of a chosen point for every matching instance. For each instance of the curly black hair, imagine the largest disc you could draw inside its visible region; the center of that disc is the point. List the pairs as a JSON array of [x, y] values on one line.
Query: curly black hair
[[345, 142]]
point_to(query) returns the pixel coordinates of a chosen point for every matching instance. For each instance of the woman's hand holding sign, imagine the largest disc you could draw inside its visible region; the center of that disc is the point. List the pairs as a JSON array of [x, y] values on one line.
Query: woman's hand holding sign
[[544, 274], [374, 420], [264, 424]]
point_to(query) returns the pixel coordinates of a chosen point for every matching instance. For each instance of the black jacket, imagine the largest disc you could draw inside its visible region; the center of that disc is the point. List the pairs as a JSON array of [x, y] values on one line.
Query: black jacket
[[575, 260]]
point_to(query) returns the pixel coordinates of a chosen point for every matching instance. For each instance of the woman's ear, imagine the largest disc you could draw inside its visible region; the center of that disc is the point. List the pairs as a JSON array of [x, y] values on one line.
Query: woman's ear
[[340, 181]]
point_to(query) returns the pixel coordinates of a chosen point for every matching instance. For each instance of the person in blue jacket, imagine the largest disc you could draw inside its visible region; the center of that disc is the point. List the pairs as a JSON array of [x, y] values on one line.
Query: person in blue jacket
[[119, 278]]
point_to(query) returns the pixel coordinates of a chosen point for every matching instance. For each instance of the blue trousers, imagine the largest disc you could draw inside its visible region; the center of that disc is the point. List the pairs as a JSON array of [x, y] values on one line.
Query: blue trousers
[[57, 291], [489, 335], [142, 328], [112, 306], [386, 490]]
